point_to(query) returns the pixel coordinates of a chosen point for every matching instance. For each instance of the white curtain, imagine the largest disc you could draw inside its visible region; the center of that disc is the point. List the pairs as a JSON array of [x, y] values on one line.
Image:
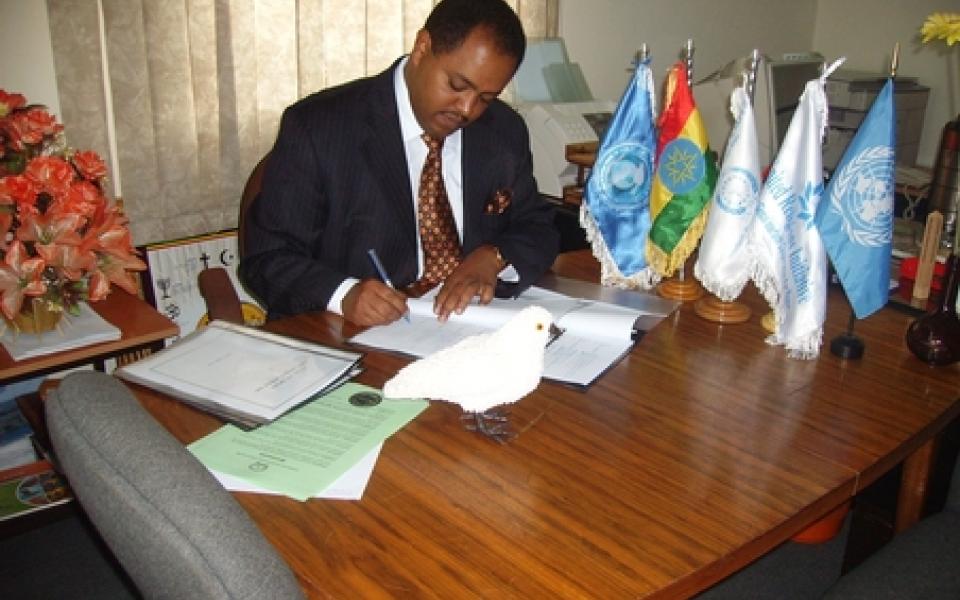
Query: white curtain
[[198, 87]]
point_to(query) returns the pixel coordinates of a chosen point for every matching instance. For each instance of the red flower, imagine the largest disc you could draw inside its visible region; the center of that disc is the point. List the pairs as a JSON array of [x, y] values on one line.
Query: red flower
[[83, 198], [10, 102], [19, 277], [115, 256], [30, 127], [53, 174], [34, 124], [50, 228], [6, 220], [59, 234], [90, 165], [20, 190], [73, 261]]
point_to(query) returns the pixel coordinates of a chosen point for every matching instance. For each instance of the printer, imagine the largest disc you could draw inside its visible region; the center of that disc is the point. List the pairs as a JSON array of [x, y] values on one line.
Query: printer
[[850, 94], [552, 96]]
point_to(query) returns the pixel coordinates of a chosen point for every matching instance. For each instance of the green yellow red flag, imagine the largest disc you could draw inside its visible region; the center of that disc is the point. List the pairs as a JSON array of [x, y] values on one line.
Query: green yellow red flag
[[685, 176]]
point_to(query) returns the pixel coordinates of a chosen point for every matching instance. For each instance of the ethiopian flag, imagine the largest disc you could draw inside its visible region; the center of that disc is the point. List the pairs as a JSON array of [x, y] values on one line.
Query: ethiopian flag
[[685, 176]]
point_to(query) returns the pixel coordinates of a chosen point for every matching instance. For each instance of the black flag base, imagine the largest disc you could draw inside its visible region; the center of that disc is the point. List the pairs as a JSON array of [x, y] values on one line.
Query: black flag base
[[848, 346]]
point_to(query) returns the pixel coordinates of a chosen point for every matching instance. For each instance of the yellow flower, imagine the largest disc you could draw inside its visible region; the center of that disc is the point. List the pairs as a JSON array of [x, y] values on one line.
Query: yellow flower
[[942, 26]]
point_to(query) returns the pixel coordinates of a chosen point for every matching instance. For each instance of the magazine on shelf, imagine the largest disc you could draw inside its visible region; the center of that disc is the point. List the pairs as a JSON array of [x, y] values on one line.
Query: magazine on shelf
[[241, 374], [29, 488]]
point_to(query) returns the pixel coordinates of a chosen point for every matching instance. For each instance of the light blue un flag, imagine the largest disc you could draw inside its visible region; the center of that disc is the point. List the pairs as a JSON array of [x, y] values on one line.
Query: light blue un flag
[[856, 218], [616, 210]]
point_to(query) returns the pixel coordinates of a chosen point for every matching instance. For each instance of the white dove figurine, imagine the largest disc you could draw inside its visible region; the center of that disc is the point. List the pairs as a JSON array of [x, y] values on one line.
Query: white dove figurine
[[482, 371]]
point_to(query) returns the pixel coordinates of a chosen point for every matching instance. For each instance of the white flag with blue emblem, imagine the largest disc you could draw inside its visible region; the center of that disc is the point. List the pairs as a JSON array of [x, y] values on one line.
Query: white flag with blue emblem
[[724, 263], [615, 213], [856, 217], [790, 268]]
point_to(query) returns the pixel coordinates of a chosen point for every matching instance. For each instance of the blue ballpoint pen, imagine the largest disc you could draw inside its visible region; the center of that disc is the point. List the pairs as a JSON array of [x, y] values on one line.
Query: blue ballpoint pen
[[375, 259]]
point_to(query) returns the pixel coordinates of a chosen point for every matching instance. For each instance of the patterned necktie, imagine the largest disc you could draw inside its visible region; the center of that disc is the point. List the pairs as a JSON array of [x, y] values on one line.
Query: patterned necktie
[[438, 231]]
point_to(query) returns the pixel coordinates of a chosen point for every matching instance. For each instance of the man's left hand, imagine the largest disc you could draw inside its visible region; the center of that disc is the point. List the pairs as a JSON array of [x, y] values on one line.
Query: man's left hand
[[475, 276]]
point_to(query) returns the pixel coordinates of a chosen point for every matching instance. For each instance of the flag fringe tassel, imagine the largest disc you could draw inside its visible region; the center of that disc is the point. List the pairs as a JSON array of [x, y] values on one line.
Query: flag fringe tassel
[[667, 264], [724, 290], [807, 347], [610, 274]]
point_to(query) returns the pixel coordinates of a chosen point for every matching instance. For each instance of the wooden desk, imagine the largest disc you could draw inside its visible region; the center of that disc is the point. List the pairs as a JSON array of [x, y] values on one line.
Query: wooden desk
[[703, 449], [141, 326]]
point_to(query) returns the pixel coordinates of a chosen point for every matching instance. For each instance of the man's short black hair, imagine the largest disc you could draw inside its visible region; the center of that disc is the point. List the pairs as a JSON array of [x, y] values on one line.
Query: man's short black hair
[[451, 21]]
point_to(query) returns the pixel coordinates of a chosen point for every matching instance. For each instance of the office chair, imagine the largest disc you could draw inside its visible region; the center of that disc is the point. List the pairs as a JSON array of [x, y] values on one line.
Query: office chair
[[215, 286], [923, 562], [171, 525]]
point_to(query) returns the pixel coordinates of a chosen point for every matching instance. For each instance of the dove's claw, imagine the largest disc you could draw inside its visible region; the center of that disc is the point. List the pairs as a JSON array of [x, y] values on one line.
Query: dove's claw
[[492, 424]]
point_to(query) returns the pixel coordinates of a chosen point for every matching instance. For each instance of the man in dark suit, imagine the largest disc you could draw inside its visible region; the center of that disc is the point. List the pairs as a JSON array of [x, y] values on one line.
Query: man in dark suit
[[344, 178]]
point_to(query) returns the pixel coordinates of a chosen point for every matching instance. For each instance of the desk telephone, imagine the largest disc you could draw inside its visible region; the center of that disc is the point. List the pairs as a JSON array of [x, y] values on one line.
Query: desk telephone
[[555, 125]]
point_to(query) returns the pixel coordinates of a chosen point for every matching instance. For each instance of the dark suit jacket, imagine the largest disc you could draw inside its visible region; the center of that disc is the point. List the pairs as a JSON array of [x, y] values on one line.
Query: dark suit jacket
[[336, 185]]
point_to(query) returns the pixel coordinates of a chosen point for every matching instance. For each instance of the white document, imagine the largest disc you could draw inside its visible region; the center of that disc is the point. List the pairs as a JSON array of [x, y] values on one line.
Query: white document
[[73, 331], [596, 334], [349, 486], [242, 374]]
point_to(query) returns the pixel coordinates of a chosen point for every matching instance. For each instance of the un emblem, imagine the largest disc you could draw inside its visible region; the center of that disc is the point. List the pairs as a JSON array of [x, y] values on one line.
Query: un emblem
[[866, 184], [623, 173], [736, 191]]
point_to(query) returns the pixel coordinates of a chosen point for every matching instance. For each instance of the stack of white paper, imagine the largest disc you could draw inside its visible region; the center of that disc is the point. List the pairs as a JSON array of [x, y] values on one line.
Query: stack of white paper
[[244, 375], [73, 332], [349, 486]]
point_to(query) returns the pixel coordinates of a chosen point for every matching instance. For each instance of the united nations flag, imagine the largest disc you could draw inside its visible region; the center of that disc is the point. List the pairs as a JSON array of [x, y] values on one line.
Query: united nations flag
[[856, 218], [616, 210]]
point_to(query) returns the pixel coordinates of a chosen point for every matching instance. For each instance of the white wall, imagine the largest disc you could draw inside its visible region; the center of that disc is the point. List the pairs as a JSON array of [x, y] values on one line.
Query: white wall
[[27, 65], [865, 32], [603, 35]]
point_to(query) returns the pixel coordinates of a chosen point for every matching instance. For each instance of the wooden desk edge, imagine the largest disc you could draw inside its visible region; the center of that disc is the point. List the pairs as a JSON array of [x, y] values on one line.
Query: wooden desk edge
[[138, 337]]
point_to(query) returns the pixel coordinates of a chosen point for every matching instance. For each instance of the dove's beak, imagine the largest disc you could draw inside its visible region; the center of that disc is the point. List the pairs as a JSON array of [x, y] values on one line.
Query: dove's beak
[[555, 332]]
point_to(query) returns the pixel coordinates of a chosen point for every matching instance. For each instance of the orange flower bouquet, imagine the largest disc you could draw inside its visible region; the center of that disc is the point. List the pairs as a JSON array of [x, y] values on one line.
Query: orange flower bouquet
[[62, 242]]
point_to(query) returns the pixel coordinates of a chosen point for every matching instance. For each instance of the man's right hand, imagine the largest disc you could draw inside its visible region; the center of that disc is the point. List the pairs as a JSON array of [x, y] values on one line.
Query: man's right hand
[[372, 302]]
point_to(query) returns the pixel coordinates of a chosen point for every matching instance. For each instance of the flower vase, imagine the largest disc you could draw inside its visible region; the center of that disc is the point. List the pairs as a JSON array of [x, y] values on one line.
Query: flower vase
[[37, 316]]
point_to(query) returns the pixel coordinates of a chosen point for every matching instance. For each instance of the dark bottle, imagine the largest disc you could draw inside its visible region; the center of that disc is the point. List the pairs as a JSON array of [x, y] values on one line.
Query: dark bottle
[[935, 337]]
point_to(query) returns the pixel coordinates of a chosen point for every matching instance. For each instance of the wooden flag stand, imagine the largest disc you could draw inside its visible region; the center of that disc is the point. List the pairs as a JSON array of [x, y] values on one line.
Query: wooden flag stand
[[716, 310], [680, 288]]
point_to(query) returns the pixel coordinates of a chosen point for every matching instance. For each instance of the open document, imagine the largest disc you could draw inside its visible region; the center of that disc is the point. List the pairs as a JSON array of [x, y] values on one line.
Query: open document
[[595, 334], [243, 375]]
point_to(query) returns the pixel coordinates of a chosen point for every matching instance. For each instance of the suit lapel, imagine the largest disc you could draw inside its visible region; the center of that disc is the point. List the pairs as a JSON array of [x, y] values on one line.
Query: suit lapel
[[478, 148], [385, 156]]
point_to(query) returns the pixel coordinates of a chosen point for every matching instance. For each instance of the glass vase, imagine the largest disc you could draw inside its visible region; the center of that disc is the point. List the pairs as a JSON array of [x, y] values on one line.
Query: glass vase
[[37, 316], [935, 337]]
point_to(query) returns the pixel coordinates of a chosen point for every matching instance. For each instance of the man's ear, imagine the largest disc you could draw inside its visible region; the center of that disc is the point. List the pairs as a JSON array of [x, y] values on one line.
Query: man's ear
[[421, 46]]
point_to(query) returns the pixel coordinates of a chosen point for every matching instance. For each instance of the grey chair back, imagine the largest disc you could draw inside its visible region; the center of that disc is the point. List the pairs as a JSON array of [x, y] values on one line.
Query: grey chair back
[[174, 529]]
